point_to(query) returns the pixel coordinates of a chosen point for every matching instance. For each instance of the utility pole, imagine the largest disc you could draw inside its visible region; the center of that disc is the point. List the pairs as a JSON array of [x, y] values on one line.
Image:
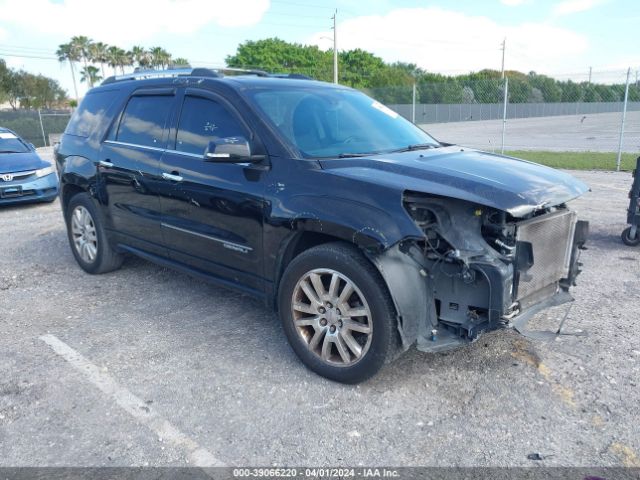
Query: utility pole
[[590, 69], [335, 48], [504, 112], [504, 47], [44, 138], [413, 102], [624, 116]]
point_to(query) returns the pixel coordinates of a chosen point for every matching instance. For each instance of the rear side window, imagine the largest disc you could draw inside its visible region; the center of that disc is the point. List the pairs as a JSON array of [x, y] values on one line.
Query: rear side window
[[144, 120], [201, 121], [91, 113]]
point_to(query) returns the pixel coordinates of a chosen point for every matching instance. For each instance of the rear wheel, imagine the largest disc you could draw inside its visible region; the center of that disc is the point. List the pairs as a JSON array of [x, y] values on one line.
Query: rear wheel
[[87, 237], [337, 313], [628, 240]]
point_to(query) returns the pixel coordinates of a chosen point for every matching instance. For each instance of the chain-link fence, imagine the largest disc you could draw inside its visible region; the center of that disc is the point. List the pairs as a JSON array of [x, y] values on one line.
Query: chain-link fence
[[39, 127], [540, 114], [599, 115]]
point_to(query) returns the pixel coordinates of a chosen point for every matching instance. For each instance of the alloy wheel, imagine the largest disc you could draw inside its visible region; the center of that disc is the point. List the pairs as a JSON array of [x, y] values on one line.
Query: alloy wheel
[[83, 230], [332, 317]]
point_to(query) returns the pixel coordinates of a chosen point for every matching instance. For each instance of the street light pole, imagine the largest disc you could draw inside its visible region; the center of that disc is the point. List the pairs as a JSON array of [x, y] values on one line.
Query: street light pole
[[335, 48]]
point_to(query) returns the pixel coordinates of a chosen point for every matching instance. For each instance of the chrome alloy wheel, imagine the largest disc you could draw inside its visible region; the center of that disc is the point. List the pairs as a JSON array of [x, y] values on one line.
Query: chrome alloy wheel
[[332, 317], [85, 238]]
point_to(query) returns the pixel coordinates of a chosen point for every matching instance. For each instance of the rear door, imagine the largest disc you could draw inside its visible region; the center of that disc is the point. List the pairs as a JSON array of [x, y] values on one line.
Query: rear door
[[129, 168], [213, 212]]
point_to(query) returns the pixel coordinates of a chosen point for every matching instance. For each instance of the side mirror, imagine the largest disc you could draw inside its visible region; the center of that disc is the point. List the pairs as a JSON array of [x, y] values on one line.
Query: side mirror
[[229, 150]]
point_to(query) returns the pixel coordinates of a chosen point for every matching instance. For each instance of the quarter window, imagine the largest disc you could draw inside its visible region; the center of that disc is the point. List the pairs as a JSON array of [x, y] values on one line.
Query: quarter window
[[91, 113], [144, 120], [201, 121]]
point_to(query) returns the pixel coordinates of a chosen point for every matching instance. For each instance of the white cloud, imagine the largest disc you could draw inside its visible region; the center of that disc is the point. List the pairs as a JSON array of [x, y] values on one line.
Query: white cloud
[[3, 33], [567, 7], [513, 3], [452, 42], [125, 21]]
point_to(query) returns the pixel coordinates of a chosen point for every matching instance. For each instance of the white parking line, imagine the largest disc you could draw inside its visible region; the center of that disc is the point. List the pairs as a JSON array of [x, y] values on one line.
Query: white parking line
[[138, 409]]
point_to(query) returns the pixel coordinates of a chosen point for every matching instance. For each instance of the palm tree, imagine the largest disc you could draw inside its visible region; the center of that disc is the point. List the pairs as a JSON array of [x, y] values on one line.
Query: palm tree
[[113, 58], [160, 57], [81, 46], [130, 58], [122, 58], [166, 59], [180, 62], [66, 53], [98, 54], [140, 56], [90, 74]]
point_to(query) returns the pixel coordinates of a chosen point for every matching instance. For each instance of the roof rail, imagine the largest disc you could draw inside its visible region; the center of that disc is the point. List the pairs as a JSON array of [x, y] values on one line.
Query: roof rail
[[248, 71], [298, 76], [196, 72], [172, 72]]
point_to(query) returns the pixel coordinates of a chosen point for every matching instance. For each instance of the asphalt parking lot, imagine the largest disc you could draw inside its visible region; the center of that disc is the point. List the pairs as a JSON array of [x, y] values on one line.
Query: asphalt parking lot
[[144, 366], [599, 132]]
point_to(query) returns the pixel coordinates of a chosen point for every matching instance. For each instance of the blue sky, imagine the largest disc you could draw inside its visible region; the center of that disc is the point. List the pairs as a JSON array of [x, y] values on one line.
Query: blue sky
[[559, 37]]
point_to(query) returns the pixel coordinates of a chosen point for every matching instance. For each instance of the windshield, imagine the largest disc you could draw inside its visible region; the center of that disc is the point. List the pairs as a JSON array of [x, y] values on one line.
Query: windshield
[[332, 122], [9, 143]]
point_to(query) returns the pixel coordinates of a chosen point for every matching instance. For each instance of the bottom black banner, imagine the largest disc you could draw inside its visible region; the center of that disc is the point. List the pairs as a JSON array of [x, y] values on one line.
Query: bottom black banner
[[400, 473]]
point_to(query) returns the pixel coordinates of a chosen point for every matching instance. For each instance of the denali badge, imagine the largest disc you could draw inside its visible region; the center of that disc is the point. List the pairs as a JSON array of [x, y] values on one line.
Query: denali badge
[[7, 177]]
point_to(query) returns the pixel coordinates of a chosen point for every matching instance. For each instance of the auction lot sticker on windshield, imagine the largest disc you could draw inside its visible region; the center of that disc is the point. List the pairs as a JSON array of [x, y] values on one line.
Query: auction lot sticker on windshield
[[384, 109], [6, 135]]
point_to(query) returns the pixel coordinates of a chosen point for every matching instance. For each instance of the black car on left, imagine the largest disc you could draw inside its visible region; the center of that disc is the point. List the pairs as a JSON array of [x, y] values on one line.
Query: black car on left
[[24, 176]]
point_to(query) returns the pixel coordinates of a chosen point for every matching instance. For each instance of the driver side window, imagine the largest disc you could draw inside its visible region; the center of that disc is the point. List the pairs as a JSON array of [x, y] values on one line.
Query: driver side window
[[203, 120]]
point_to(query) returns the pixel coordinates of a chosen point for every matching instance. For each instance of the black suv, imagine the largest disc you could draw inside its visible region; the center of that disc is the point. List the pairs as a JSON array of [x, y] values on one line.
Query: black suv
[[363, 232]]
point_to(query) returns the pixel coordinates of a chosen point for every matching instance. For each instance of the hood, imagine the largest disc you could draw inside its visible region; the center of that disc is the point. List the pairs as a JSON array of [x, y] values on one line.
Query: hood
[[516, 186], [20, 162]]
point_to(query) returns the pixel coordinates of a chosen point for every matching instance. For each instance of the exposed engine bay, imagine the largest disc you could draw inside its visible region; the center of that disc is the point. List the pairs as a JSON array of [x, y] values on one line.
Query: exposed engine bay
[[483, 268]]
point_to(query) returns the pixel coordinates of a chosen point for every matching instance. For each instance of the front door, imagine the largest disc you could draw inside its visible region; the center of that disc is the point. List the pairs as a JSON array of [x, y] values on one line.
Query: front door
[[213, 212]]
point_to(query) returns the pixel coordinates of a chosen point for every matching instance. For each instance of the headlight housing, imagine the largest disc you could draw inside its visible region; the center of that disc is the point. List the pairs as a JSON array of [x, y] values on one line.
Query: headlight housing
[[43, 172]]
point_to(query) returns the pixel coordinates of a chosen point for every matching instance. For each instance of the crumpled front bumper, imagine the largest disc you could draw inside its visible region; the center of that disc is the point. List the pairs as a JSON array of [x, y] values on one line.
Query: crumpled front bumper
[[29, 190], [449, 306]]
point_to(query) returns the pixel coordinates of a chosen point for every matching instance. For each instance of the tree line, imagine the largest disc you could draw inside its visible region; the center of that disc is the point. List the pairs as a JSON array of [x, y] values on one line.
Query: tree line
[[94, 57], [390, 83], [25, 90], [393, 82]]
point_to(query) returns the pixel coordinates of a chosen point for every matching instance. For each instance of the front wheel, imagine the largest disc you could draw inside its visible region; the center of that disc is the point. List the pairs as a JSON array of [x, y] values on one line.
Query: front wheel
[[88, 238], [626, 237], [337, 313]]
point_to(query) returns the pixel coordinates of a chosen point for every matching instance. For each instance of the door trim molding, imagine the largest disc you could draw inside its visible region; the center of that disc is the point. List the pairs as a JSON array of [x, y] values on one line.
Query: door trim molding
[[225, 243]]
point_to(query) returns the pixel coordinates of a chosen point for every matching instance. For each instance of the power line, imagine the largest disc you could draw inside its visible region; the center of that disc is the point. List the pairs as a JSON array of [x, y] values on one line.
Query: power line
[[18, 47], [22, 55]]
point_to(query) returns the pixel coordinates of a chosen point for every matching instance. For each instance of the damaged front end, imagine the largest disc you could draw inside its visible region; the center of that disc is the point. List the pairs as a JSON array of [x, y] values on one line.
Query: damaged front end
[[478, 268]]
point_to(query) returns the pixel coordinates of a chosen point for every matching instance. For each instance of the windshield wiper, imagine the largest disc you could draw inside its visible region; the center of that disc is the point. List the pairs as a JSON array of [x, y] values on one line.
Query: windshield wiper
[[354, 155], [417, 146]]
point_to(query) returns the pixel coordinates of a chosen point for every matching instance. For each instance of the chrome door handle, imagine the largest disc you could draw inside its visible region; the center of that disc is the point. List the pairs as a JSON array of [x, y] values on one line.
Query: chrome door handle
[[105, 163], [172, 177]]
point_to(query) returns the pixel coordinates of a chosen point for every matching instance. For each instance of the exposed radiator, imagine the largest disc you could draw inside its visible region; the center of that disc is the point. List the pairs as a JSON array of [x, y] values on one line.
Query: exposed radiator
[[551, 236]]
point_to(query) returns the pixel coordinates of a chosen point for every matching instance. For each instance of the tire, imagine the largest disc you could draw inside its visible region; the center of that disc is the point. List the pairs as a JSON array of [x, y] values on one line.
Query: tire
[[87, 237], [626, 237], [312, 324]]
